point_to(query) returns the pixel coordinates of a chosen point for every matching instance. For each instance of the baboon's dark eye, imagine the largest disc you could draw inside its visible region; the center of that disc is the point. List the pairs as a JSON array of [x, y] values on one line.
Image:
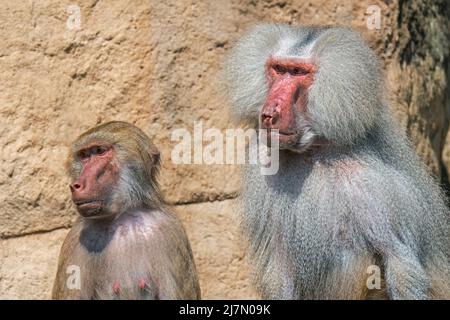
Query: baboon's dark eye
[[100, 150], [279, 69], [297, 72], [83, 154]]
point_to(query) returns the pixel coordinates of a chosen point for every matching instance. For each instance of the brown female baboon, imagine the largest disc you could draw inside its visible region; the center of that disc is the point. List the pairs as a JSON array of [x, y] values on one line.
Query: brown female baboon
[[126, 244]]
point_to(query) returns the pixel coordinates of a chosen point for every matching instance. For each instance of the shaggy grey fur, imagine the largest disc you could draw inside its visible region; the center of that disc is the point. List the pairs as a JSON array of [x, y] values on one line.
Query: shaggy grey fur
[[362, 198]]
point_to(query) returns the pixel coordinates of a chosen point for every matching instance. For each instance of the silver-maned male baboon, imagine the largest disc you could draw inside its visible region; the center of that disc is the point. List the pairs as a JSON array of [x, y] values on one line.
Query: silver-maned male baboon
[[350, 192]]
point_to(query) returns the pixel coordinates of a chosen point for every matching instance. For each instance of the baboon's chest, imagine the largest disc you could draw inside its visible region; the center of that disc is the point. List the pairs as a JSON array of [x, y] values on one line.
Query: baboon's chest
[[118, 271]]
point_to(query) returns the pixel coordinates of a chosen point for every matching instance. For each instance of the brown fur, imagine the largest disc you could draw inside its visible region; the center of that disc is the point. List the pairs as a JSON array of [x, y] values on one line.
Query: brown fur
[[141, 251]]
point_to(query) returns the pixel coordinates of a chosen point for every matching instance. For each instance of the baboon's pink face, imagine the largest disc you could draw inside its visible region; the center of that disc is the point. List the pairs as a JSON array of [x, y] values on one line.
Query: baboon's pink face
[[287, 98], [93, 188]]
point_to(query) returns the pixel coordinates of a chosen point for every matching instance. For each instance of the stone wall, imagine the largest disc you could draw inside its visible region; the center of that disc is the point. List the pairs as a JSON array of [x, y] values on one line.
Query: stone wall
[[154, 63]]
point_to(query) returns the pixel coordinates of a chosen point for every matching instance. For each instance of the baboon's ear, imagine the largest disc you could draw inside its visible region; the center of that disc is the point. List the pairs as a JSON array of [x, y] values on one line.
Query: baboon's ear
[[156, 156], [152, 153]]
